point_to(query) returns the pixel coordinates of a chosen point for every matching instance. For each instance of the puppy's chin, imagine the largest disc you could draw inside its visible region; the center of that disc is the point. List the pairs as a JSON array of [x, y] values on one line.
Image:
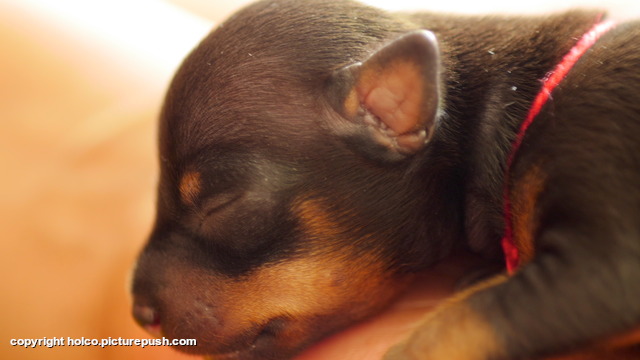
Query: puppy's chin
[[279, 339]]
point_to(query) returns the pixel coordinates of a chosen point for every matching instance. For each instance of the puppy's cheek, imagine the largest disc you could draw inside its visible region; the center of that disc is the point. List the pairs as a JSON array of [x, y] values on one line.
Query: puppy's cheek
[[279, 307]]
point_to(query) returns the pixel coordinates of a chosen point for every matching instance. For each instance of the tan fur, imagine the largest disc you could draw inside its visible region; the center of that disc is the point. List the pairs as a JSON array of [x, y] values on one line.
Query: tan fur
[[524, 199], [460, 332], [190, 187]]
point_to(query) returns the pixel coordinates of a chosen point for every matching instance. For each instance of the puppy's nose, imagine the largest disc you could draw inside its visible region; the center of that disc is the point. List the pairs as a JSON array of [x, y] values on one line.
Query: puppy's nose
[[148, 318]]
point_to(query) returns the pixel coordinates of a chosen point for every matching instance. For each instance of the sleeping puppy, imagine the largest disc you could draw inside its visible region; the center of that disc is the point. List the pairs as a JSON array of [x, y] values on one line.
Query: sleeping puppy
[[317, 154]]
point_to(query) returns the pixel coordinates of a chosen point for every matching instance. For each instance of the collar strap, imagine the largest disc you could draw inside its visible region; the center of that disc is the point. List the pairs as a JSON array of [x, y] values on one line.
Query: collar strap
[[549, 83]]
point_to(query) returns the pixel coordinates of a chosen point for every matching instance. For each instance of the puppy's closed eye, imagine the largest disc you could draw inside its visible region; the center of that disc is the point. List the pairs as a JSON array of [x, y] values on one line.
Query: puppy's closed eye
[[252, 212], [219, 203]]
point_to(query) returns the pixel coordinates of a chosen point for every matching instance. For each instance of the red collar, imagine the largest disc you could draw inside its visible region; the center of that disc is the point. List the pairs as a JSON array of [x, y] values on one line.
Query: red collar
[[549, 83]]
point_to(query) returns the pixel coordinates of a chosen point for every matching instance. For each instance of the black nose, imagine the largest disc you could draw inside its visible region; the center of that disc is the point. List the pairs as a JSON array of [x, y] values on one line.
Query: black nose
[[148, 318]]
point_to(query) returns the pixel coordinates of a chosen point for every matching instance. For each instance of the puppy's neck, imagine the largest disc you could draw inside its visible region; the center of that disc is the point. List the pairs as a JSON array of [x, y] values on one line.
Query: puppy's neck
[[493, 69]]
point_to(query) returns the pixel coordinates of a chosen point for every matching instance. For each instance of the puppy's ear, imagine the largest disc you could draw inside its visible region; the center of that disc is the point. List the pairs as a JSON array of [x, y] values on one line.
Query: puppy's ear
[[389, 104]]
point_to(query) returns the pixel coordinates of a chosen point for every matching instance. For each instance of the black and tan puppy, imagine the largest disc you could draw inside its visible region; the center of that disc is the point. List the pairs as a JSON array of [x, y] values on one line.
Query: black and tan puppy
[[315, 154]]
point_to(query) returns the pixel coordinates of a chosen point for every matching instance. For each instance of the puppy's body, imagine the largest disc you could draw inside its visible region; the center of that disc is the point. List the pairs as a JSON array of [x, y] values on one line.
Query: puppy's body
[[314, 156]]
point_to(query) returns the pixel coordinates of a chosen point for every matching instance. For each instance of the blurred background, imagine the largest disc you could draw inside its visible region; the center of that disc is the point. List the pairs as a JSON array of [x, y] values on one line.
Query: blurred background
[[81, 83]]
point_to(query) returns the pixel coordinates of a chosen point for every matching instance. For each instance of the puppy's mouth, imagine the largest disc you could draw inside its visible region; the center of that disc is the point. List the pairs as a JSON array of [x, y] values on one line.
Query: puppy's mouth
[[256, 341], [259, 342], [262, 337]]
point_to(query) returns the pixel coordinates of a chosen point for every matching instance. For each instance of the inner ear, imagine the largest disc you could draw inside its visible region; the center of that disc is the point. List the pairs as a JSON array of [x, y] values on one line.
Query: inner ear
[[394, 94]]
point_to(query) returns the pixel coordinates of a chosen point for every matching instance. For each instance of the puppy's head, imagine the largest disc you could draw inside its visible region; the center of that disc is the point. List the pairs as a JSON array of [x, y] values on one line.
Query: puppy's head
[[295, 196]]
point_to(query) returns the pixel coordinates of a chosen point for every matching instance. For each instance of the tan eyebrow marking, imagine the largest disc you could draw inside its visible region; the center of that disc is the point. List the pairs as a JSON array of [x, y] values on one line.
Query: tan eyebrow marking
[[190, 187]]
